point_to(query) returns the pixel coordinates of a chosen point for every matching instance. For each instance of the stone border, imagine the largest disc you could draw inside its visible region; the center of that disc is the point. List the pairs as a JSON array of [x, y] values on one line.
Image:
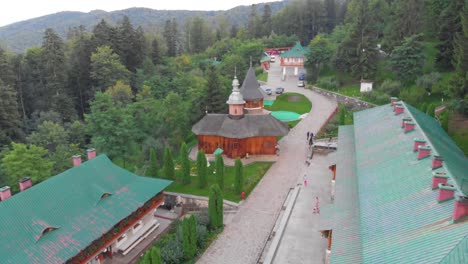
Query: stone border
[[343, 99]]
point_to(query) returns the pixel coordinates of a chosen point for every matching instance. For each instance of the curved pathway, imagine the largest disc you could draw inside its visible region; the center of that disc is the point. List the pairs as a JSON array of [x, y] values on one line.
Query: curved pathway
[[243, 239]]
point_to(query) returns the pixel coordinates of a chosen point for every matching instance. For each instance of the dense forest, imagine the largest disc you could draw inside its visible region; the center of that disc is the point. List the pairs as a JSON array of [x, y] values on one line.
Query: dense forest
[[126, 91]]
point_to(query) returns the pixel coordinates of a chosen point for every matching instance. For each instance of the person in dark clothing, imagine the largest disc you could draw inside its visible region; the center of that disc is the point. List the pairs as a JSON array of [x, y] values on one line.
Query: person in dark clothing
[[307, 135]]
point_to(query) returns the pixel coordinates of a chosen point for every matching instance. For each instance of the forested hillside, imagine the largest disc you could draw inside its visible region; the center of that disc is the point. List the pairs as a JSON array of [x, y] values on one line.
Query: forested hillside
[[127, 91], [22, 35]]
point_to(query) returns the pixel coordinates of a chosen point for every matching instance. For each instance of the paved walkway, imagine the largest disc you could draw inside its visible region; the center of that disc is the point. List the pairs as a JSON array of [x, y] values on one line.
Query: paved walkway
[[242, 241]]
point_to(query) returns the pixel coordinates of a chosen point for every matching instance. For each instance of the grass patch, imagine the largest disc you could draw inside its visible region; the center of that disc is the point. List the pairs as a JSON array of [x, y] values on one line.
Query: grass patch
[[252, 175], [263, 77], [301, 106]]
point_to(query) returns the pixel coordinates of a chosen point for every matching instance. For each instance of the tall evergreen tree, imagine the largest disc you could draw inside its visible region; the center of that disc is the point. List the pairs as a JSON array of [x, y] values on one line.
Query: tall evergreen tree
[[251, 25], [215, 207], [153, 165], [215, 101], [201, 169], [407, 59], [266, 20], [171, 36], [458, 88], [189, 237], [106, 69], [168, 168], [10, 121], [35, 92], [185, 164], [330, 14], [104, 35], [220, 171], [239, 181], [6, 71], [449, 27], [156, 56], [53, 60]]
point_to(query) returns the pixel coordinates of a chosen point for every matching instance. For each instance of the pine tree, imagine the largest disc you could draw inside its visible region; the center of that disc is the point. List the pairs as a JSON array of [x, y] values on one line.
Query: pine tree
[[201, 169], [171, 35], [156, 256], [239, 182], [215, 207], [251, 25], [220, 171], [215, 101], [185, 164], [168, 168], [147, 258], [407, 59], [450, 26], [6, 71], [10, 122], [458, 88], [153, 165], [53, 61], [155, 52], [266, 20], [104, 35], [330, 15]]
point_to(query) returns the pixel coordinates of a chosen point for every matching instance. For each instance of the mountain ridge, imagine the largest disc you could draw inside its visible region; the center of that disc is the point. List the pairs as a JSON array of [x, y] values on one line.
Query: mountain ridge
[[20, 36]]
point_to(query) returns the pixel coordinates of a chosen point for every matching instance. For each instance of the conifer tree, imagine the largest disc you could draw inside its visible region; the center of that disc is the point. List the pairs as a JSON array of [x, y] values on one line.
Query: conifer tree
[[153, 165], [239, 182], [147, 258], [189, 237], [450, 26], [458, 88], [220, 171], [156, 256], [9, 117], [215, 101], [215, 207], [168, 168], [155, 52], [201, 169], [185, 164]]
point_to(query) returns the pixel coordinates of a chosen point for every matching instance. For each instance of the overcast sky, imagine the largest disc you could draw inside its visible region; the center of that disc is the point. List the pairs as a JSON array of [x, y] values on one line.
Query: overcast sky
[[12, 11]]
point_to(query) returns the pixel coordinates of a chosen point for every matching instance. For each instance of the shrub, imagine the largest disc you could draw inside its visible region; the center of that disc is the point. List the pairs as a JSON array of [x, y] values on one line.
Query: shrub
[[189, 237], [220, 171], [390, 87], [171, 251], [329, 83], [258, 70], [428, 81], [201, 169], [413, 95], [239, 181], [215, 207], [155, 256]]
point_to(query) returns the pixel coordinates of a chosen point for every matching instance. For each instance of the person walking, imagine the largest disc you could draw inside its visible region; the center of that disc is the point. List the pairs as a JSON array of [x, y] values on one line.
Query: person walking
[[305, 180], [307, 135]]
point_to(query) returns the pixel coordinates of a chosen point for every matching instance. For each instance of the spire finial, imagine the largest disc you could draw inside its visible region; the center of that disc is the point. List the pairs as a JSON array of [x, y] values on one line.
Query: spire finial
[[250, 61], [235, 71]]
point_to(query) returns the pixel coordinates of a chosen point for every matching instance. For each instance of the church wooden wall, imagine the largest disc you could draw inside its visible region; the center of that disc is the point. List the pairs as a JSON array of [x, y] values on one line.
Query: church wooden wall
[[234, 147], [254, 103]]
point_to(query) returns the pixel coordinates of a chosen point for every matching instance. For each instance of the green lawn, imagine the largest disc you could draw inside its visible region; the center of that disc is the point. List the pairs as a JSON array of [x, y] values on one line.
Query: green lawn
[[263, 77], [252, 175], [302, 106]]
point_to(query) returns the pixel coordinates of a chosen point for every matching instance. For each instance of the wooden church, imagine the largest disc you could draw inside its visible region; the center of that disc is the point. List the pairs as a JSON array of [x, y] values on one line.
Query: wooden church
[[247, 129]]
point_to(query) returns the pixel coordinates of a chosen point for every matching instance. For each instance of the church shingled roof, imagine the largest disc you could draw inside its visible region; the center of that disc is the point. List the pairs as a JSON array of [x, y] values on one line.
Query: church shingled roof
[[248, 126], [250, 88], [53, 221]]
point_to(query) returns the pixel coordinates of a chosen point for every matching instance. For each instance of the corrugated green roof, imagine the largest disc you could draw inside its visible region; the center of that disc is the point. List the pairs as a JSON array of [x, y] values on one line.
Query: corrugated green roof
[[295, 52], [346, 240], [70, 202], [400, 220], [265, 58], [459, 254], [454, 158]]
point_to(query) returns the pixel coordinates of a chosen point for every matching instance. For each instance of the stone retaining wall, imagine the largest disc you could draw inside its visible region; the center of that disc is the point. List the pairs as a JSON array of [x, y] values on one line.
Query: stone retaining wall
[[342, 99], [195, 203]]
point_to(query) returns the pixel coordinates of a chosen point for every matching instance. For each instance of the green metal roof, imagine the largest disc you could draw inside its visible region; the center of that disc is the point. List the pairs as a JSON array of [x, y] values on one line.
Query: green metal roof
[[70, 202], [459, 254], [455, 160], [346, 241], [400, 220], [295, 52], [265, 58]]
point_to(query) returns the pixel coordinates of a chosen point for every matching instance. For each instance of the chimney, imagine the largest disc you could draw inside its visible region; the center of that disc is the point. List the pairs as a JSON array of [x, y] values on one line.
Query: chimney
[[409, 126], [418, 142], [91, 153], [5, 193], [393, 100], [25, 183], [423, 152], [461, 207], [395, 104], [399, 109], [76, 160], [404, 120], [438, 177], [446, 192], [437, 162]]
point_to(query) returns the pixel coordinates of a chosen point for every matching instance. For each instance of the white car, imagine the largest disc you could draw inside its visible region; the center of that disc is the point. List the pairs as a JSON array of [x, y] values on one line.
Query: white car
[[272, 58], [300, 84]]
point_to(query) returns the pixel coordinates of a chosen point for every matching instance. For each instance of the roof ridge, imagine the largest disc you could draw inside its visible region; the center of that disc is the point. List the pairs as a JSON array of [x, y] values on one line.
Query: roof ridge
[[446, 166]]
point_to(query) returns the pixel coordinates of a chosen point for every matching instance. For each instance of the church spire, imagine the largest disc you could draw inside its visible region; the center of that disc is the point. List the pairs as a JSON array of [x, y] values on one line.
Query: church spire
[[236, 101]]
